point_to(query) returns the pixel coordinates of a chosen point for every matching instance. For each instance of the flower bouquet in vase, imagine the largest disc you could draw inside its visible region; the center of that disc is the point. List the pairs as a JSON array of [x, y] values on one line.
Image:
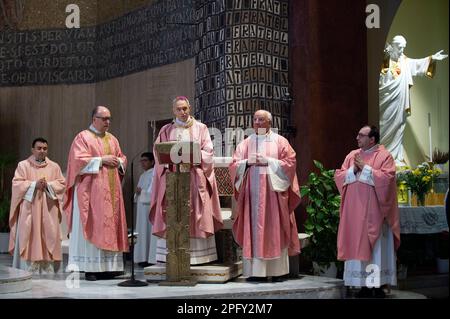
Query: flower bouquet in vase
[[419, 180]]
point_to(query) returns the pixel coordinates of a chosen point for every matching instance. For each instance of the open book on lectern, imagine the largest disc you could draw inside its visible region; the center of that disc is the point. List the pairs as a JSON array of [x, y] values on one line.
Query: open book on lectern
[[178, 152]]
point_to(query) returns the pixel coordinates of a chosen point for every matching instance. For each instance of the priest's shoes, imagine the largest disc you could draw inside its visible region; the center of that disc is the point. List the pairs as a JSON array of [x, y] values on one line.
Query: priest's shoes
[[371, 293], [90, 276], [379, 293], [93, 276], [364, 292], [256, 279], [279, 278]]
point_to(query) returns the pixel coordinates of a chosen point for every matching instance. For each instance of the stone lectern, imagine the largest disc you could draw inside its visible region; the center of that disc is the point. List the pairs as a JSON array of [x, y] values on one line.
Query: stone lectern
[[179, 157]]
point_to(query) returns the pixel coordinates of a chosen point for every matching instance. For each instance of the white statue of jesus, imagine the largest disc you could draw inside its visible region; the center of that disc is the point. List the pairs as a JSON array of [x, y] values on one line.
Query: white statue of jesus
[[396, 77]]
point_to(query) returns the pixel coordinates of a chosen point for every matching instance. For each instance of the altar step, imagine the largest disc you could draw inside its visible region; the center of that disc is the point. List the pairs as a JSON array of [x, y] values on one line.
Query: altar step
[[434, 286], [14, 280], [211, 273]]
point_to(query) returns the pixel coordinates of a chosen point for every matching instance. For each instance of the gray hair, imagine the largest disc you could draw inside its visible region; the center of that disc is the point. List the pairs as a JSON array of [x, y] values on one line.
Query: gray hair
[[180, 98], [268, 114]]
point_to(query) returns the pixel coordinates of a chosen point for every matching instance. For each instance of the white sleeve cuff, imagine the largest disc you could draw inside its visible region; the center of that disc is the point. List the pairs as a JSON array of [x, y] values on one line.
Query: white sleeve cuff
[[93, 167], [277, 178], [366, 176], [121, 168], [240, 173], [350, 176], [50, 192], [30, 192]]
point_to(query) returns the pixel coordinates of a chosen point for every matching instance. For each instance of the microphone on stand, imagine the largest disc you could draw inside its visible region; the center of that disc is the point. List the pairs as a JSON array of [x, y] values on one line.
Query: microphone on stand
[[132, 282], [291, 130]]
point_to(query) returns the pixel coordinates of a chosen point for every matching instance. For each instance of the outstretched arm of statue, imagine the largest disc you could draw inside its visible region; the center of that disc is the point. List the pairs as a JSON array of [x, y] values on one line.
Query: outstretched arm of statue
[[438, 56]]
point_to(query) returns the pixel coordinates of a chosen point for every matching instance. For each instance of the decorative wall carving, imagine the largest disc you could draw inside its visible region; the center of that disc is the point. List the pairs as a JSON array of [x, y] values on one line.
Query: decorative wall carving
[[140, 40], [242, 64]]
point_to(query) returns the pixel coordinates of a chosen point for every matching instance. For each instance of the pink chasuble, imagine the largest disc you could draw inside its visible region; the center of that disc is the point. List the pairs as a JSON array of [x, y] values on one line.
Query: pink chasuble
[[276, 228], [100, 199], [365, 207], [205, 218], [39, 233]]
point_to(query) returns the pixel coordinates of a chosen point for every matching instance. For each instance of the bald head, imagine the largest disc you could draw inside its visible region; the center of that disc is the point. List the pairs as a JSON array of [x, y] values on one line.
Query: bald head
[[97, 109], [101, 118]]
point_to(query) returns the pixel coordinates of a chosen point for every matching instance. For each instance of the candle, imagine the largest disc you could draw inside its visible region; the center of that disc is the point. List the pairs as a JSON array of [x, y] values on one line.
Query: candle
[[430, 138]]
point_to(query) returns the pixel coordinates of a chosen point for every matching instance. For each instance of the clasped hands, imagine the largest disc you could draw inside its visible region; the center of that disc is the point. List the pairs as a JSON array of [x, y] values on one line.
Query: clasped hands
[[256, 159], [358, 164], [110, 161], [41, 184]]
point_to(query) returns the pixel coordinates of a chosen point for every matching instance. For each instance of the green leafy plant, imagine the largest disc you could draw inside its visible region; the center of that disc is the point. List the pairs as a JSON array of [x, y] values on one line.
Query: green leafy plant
[[323, 201], [440, 157]]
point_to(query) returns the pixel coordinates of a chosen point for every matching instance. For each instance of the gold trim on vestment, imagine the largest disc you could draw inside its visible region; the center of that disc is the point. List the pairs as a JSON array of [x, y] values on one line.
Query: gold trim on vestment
[[111, 171]]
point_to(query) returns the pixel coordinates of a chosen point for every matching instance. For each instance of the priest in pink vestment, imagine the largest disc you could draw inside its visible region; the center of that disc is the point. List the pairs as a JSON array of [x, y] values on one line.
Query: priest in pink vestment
[[36, 207], [94, 201], [205, 217], [263, 171], [369, 227]]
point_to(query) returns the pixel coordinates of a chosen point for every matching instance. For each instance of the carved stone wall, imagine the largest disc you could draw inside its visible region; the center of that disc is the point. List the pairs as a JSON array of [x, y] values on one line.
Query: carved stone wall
[[143, 39]]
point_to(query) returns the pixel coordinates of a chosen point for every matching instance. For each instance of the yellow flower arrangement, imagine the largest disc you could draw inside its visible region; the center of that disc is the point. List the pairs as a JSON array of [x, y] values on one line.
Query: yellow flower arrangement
[[419, 180]]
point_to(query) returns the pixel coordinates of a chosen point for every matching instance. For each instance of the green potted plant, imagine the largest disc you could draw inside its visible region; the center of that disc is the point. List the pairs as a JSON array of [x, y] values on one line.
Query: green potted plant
[[323, 201], [440, 158]]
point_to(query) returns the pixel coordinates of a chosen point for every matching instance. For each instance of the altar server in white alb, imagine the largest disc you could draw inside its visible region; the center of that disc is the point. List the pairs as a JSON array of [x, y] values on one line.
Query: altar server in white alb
[[145, 249]]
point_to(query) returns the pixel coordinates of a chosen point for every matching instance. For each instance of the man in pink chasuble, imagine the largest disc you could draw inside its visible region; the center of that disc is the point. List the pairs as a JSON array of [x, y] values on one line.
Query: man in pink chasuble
[[205, 216], [369, 227], [263, 171], [94, 201], [35, 216]]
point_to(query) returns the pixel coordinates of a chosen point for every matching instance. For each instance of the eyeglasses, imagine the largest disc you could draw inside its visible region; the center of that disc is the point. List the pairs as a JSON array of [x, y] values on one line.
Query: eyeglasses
[[104, 119], [362, 135]]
